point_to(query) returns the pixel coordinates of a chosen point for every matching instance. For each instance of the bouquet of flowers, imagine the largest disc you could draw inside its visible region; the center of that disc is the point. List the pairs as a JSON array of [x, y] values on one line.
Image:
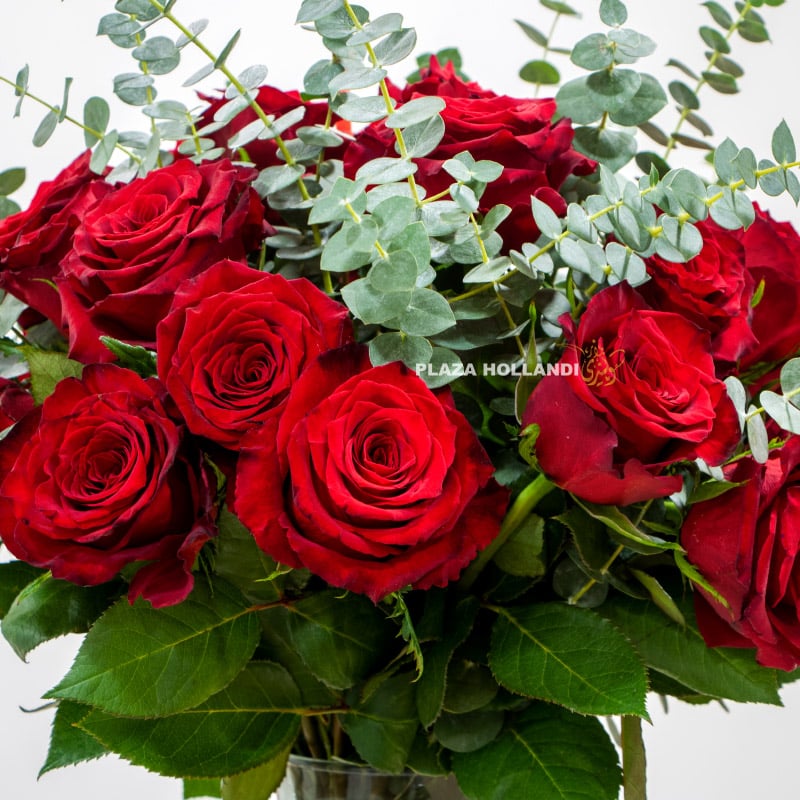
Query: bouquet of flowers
[[411, 426]]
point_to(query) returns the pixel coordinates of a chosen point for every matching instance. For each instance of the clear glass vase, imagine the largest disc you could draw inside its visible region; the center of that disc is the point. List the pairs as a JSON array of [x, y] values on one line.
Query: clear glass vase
[[313, 779]]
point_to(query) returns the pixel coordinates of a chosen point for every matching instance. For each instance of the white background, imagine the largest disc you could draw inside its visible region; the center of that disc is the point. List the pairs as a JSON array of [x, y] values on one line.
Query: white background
[[694, 753]]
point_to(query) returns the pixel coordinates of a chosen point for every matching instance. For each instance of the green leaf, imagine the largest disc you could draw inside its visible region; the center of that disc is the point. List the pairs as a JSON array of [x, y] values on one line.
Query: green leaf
[[646, 103], [523, 553], [395, 273], [14, 577], [386, 170], [728, 66], [540, 72], [545, 753], [47, 369], [546, 219], [683, 95], [69, 744], [567, 655], [226, 51], [613, 13], [96, 115], [681, 653], [46, 128], [719, 14], [396, 46], [467, 732], [559, 8], [783, 146], [160, 55], [62, 114], [132, 88], [431, 687], [781, 410], [258, 783], [48, 608], [340, 638], [421, 109], [140, 8], [351, 247], [201, 787], [424, 137], [141, 661], [613, 90], [534, 34], [752, 30], [382, 726], [8, 207], [312, 10], [11, 180], [699, 123], [249, 722], [720, 82], [714, 39], [683, 68], [427, 314], [103, 152], [614, 149], [413, 351], [371, 306], [576, 101], [593, 52]]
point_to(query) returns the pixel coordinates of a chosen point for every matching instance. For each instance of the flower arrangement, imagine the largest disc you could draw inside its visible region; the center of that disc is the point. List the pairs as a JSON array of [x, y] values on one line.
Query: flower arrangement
[[413, 426]]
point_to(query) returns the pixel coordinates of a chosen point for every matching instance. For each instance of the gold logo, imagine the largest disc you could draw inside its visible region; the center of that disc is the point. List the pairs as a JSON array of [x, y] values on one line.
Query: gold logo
[[599, 368]]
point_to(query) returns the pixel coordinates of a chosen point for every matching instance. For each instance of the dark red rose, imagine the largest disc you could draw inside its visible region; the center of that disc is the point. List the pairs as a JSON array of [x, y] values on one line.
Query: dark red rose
[[15, 402], [135, 245], [713, 291], [236, 340], [636, 393], [536, 153], [264, 152], [746, 543], [33, 242], [772, 254], [102, 475], [369, 479]]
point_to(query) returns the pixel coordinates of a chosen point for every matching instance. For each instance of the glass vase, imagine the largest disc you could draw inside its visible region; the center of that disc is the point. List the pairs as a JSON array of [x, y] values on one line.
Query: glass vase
[[313, 779]]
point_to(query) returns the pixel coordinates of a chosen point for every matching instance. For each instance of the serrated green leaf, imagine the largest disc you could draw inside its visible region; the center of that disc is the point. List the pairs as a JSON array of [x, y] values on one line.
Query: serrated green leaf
[[47, 369], [545, 752], [200, 787], [48, 608], [567, 655], [258, 783], [69, 744], [249, 722], [523, 553], [141, 661], [681, 653], [382, 727], [14, 577]]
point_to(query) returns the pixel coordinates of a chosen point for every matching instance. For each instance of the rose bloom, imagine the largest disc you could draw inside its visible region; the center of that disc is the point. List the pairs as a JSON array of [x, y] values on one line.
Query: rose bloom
[[136, 244], [33, 242], [236, 340], [369, 479], [264, 152], [712, 290], [641, 395], [15, 402], [746, 544], [102, 475], [772, 254], [518, 133]]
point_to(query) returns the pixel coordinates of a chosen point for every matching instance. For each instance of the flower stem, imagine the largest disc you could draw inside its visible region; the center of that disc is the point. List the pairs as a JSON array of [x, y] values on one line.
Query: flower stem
[[526, 501], [634, 761]]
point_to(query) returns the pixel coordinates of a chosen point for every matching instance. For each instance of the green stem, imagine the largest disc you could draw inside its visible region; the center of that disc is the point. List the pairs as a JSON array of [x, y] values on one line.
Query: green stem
[[634, 761], [671, 142], [526, 501]]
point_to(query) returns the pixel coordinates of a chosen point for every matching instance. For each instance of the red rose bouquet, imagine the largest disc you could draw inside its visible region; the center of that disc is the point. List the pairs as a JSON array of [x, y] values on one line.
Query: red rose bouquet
[[399, 425]]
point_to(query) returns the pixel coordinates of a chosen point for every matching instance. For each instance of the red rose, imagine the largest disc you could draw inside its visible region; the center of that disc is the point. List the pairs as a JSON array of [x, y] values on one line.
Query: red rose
[[369, 479], [15, 402], [102, 476], [518, 133], [746, 543], [713, 291], [772, 254], [264, 152], [135, 245], [637, 392], [235, 342], [33, 242]]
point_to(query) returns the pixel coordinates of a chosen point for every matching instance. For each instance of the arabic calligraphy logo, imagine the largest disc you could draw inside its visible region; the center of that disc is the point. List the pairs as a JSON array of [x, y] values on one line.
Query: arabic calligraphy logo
[[599, 368]]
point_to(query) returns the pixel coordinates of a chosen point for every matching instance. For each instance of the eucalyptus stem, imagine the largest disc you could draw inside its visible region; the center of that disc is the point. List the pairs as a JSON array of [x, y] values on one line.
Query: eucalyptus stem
[[546, 48], [634, 760], [55, 109], [671, 142], [526, 502]]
